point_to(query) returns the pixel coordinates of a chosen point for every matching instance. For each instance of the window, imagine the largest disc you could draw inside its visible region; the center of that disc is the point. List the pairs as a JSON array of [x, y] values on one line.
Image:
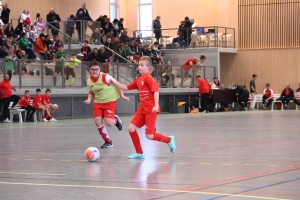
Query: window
[[145, 18], [114, 9]]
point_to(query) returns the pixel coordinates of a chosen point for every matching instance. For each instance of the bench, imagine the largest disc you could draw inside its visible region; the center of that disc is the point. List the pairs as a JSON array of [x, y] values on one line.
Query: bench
[[259, 100], [18, 111]]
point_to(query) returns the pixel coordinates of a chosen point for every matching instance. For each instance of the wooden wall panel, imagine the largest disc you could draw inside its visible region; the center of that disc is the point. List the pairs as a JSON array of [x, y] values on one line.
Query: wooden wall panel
[[268, 23]]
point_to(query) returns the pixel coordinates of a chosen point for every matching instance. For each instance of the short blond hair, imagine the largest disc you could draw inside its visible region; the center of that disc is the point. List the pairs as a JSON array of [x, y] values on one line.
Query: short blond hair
[[147, 60]]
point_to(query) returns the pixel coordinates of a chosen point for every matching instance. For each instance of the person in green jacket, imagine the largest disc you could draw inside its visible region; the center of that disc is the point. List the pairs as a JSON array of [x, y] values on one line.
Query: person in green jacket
[[26, 45], [9, 64]]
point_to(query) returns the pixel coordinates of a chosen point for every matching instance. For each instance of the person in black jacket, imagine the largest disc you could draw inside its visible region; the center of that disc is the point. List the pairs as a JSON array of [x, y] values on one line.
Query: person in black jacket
[[104, 59], [187, 31], [85, 12], [286, 96], [81, 24], [120, 24], [5, 13], [243, 96], [156, 28], [53, 19]]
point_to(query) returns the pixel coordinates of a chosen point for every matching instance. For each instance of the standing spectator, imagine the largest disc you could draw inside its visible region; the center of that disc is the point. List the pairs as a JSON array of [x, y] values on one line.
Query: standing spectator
[[49, 106], [187, 31], [108, 26], [124, 37], [53, 19], [116, 29], [6, 50], [243, 96], [7, 96], [69, 26], [85, 12], [203, 93], [40, 26], [60, 56], [120, 25], [156, 28], [9, 30], [22, 18], [5, 13], [286, 96], [37, 18], [104, 59], [25, 104], [25, 45], [85, 50], [33, 34], [191, 64], [80, 25], [253, 91], [96, 36], [267, 96], [41, 48]]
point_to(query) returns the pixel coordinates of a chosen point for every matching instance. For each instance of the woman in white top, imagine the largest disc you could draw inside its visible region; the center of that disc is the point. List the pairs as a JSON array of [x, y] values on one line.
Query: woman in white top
[[23, 17]]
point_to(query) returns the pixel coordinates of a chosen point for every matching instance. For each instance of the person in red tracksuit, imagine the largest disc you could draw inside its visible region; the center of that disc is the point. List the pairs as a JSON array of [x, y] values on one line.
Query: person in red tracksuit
[[203, 93], [47, 103], [38, 105], [25, 104]]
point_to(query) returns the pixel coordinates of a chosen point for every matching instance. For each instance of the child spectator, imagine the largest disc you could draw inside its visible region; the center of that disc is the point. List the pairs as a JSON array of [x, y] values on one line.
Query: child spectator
[[9, 64], [41, 48], [85, 50], [59, 56], [25, 104], [70, 70], [40, 26], [50, 107], [69, 25], [19, 53], [33, 34], [147, 112], [38, 105]]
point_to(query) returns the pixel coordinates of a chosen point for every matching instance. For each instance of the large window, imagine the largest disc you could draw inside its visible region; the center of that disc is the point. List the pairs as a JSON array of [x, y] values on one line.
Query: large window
[[114, 9], [145, 17]]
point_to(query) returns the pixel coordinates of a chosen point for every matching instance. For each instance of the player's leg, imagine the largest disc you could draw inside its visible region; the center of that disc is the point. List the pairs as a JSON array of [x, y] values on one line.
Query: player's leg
[[110, 117], [151, 134], [73, 77], [51, 109], [43, 109], [67, 76], [98, 118], [138, 120]]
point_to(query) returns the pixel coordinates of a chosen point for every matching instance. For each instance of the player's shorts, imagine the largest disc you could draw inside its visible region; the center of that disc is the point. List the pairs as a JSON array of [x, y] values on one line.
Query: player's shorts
[[36, 107], [58, 70], [106, 110], [142, 118]]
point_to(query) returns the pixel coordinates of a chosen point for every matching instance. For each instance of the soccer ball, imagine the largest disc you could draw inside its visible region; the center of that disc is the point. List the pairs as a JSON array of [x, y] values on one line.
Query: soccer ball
[[92, 154]]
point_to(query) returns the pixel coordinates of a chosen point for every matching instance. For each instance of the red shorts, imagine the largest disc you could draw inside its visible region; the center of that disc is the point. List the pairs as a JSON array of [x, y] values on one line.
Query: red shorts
[[142, 118], [36, 107], [106, 110]]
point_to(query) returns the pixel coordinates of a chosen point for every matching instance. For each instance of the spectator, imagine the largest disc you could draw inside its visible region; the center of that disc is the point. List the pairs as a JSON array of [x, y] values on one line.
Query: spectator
[[139, 48], [203, 93], [286, 96], [26, 30], [33, 34], [103, 21], [166, 73], [7, 96], [267, 96], [49, 106], [69, 28], [253, 92], [93, 55], [5, 13], [108, 26], [216, 83], [22, 18], [81, 24], [124, 37], [25, 104], [9, 30], [146, 51], [108, 44], [70, 70], [15, 40], [20, 53], [37, 18], [120, 25], [156, 28], [297, 97], [53, 19], [85, 12], [115, 45], [38, 105], [96, 36], [187, 31], [60, 56], [55, 44], [41, 48], [25, 45], [133, 46], [40, 26], [9, 64], [7, 50], [191, 64], [116, 29], [48, 42], [104, 59], [124, 51], [85, 50], [243, 96]]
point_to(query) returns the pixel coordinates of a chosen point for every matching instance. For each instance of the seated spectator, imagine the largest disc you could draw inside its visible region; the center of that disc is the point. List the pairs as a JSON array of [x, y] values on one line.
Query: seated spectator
[[49, 106], [108, 26], [93, 55], [38, 105], [48, 42], [24, 16], [267, 96], [139, 48], [125, 51], [286, 96], [124, 37], [25, 104], [70, 70], [55, 44], [26, 30], [20, 53], [133, 46], [33, 34], [85, 50], [166, 73], [6, 50], [41, 48], [156, 59], [96, 36], [25, 45], [15, 40], [146, 51], [104, 59], [108, 44], [216, 83], [2, 36], [7, 96], [115, 45], [9, 30], [40, 26], [297, 97], [243, 96]]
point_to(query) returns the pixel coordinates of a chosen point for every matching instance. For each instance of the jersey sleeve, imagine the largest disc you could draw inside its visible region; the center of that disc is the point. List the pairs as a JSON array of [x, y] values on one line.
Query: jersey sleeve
[[106, 79], [132, 85]]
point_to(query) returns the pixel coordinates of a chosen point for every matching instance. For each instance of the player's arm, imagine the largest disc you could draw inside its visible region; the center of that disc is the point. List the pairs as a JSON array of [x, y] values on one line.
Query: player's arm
[[156, 99], [122, 95], [90, 97], [119, 85]]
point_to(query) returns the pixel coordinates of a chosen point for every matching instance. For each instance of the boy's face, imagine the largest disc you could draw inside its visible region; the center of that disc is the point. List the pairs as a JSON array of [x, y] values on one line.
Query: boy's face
[[38, 93], [73, 56], [85, 44], [95, 71], [27, 94], [48, 93], [143, 68], [61, 48]]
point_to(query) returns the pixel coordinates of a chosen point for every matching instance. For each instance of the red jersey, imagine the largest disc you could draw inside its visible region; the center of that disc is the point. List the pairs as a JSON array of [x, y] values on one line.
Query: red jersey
[[287, 92], [37, 101], [268, 93], [46, 99], [24, 101], [146, 85], [5, 88], [203, 86], [85, 52], [186, 66]]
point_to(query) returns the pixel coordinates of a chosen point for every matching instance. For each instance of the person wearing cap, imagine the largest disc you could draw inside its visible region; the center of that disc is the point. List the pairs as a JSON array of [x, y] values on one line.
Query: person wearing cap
[[156, 28], [41, 48]]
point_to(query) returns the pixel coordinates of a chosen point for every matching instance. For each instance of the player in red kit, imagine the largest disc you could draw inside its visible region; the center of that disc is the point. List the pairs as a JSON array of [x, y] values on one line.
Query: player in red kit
[[47, 103], [25, 104], [268, 96], [38, 105], [148, 110]]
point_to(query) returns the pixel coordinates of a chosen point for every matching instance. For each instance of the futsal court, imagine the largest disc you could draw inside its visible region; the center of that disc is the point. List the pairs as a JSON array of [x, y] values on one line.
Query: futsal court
[[230, 155]]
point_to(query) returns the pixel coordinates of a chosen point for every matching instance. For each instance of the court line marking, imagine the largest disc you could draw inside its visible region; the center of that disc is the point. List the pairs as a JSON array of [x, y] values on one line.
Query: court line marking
[[205, 163], [24, 173], [46, 159], [228, 164], [28, 159], [271, 165], [250, 164], [65, 160], [141, 189]]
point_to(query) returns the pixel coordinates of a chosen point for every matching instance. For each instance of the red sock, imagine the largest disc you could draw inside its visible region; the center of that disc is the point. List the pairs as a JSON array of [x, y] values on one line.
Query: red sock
[[161, 138], [103, 132], [136, 142], [44, 116]]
